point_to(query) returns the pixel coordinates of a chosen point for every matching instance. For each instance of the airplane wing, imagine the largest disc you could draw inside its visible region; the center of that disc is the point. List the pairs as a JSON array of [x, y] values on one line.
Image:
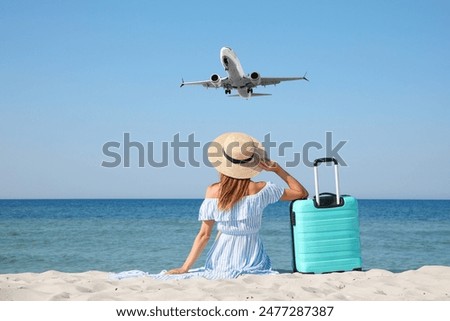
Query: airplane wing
[[265, 81], [224, 82]]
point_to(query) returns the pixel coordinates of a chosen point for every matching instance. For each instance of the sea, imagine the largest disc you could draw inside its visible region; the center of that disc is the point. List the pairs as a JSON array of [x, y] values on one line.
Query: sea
[[151, 235]]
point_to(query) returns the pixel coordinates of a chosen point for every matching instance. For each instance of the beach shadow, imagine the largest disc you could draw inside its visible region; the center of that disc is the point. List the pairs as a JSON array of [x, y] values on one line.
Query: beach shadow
[[281, 271]]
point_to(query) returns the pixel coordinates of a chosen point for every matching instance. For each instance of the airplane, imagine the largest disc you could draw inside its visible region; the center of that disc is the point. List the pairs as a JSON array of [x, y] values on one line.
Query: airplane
[[237, 79]]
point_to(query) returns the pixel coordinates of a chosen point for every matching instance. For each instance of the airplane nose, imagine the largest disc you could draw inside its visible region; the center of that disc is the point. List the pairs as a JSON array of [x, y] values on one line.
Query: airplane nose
[[225, 50]]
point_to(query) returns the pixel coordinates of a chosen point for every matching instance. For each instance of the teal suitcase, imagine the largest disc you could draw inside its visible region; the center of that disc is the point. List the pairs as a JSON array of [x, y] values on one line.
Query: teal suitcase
[[325, 230]]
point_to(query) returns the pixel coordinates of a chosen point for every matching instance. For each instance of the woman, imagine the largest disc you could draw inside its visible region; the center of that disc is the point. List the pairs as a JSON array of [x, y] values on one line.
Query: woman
[[236, 204]]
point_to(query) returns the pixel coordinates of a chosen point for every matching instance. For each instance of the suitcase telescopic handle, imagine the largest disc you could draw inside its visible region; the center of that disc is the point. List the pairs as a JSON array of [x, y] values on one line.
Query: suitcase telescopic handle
[[336, 177], [325, 160]]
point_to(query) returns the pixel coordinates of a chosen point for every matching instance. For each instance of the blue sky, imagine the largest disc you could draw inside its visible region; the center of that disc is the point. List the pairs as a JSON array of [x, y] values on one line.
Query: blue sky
[[76, 75]]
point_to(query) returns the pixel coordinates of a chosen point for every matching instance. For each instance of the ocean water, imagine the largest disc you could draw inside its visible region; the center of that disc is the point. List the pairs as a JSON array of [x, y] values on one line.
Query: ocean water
[[152, 235]]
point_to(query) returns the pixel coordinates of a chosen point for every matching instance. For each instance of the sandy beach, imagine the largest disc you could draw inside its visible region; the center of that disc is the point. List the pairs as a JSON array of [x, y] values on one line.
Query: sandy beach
[[426, 283]]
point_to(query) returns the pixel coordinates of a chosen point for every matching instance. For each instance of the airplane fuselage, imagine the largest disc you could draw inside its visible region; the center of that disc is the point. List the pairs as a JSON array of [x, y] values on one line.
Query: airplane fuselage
[[233, 67]]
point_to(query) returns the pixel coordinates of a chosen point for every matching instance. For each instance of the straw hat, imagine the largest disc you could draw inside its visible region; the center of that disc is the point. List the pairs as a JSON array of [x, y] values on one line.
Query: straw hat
[[236, 155]]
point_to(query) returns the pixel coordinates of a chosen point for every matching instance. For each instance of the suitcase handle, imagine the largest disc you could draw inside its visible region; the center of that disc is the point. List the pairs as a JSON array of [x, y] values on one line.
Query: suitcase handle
[[325, 160], [336, 177]]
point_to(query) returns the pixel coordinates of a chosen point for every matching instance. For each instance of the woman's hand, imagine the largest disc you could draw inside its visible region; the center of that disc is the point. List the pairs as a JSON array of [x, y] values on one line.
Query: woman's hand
[[268, 165], [197, 247], [295, 190], [177, 271]]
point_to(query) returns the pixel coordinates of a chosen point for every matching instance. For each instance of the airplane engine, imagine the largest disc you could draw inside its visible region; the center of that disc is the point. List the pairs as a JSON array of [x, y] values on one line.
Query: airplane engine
[[255, 78], [215, 79]]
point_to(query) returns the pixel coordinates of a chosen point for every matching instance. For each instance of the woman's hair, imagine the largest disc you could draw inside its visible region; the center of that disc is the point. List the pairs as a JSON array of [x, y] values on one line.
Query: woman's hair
[[231, 191]]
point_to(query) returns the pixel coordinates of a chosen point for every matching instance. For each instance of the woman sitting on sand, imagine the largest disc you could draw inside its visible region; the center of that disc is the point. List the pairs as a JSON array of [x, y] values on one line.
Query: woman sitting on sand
[[236, 204]]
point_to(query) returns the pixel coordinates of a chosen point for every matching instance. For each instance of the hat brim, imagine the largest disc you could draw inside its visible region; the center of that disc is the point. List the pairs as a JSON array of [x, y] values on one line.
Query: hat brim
[[241, 171]]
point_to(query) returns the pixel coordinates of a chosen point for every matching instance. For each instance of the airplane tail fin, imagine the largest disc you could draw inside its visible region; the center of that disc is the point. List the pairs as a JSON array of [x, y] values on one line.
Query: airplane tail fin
[[252, 95]]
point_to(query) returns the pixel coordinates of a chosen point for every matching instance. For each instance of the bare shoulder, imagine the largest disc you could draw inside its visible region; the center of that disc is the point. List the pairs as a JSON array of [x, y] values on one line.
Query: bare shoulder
[[212, 191], [255, 187]]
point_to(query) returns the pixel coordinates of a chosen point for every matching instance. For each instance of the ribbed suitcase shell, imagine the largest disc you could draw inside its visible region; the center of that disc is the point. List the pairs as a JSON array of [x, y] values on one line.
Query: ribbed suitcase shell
[[325, 239]]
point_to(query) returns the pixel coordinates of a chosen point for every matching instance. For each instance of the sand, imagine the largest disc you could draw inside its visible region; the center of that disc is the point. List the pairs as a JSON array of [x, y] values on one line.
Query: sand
[[426, 283]]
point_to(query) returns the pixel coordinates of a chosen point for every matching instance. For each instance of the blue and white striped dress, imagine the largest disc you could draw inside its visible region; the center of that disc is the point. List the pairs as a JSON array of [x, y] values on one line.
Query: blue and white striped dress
[[239, 248]]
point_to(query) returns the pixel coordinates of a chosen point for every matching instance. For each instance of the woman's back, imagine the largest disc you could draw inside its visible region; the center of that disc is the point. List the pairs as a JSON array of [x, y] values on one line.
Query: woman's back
[[245, 216], [213, 191]]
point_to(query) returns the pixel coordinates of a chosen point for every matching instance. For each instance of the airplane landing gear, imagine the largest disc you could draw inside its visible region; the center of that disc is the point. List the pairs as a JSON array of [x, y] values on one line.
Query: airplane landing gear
[[227, 91]]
